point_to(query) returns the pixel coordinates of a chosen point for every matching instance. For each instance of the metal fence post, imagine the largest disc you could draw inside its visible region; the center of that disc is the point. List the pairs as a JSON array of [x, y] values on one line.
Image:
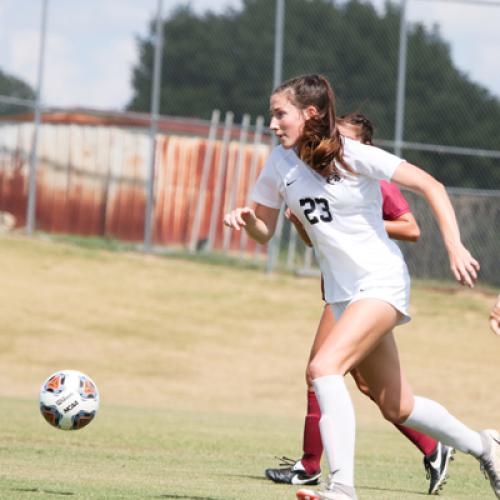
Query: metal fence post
[[153, 128], [31, 209], [235, 184], [401, 84], [207, 161], [279, 28], [259, 126], [221, 173]]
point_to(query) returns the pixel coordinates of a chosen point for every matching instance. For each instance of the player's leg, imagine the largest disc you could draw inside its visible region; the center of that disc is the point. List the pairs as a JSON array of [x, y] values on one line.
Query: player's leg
[[424, 443], [357, 331], [382, 371], [307, 469], [312, 444], [437, 456]]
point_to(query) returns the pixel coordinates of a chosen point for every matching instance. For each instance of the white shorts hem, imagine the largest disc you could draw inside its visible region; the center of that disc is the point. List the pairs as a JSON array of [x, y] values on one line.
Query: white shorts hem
[[399, 304]]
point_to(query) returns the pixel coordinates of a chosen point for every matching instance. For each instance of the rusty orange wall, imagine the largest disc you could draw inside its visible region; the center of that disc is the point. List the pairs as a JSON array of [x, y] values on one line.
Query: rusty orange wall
[[91, 181], [180, 162]]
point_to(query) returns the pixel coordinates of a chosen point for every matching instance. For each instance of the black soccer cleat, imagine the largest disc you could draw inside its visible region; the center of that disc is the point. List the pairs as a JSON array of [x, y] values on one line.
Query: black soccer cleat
[[436, 466], [292, 472]]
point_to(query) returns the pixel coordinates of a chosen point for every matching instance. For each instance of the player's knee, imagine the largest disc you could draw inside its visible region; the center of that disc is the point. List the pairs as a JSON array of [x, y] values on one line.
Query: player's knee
[[316, 369], [395, 412], [319, 368], [310, 371], [309, 380]]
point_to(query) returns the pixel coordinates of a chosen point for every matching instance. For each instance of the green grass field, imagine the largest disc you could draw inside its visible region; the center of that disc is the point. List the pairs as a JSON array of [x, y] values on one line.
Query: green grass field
[[200, 368]]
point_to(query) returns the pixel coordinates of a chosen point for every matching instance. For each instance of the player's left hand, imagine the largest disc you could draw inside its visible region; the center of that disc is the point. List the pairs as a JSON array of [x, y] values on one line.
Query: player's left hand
[[463, 266], [291, 216]]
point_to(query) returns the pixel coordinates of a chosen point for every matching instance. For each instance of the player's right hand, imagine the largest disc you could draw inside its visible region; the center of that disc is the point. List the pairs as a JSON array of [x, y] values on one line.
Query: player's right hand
[[495, 317], [240, 217]]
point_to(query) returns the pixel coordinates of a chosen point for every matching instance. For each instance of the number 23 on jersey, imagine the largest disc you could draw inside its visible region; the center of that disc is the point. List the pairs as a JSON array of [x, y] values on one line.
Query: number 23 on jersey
[[309, 206]]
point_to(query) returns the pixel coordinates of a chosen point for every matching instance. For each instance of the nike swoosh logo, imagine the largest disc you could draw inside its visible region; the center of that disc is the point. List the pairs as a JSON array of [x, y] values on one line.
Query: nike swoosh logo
[[303, 480], [291, 182], [437, 461]]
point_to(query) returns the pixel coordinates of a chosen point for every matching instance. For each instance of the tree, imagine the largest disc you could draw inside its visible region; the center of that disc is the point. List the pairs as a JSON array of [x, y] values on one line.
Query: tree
[[11, 86], [210, 61], [225, 61]]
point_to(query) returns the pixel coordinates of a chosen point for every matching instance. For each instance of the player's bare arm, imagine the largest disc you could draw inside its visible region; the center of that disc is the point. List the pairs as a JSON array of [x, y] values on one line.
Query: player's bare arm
[[299, 227], [404, 228], [463, 266], [258, 222]]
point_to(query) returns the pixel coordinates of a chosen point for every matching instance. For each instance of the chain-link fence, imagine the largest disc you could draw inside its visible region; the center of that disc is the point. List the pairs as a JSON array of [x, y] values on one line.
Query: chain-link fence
[[400, 73]]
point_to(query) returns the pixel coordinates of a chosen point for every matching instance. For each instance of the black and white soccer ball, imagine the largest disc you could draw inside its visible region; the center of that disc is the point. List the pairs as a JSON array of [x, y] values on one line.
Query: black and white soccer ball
[[69, 399]]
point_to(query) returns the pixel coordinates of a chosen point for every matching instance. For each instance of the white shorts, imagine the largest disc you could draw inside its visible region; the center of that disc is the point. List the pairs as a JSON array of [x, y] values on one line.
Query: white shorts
[[398, 297]]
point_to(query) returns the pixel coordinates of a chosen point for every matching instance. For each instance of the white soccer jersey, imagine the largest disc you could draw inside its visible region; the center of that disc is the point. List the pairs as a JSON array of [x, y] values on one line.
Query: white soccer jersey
[[343, 219]]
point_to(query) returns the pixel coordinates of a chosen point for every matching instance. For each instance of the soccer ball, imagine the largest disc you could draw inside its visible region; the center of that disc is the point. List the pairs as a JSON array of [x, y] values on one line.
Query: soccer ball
[[69, 400]]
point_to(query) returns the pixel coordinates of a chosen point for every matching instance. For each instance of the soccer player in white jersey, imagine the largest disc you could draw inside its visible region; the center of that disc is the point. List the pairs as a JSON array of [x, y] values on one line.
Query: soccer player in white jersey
[[331, 184], [401, 225]]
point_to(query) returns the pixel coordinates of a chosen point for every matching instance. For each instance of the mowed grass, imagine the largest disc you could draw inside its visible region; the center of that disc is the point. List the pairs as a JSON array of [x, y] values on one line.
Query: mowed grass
[[200, 369]]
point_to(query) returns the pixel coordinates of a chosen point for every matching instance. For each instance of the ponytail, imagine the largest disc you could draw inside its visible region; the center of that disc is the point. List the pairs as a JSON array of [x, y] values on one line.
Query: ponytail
[[320, 145]]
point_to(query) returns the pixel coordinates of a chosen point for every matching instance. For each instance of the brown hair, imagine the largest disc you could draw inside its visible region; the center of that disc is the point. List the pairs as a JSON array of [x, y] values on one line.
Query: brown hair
[[320, 144], [364, 124]]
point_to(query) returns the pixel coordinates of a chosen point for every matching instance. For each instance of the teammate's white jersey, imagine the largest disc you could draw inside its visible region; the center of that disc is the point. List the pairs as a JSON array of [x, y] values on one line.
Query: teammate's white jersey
[[343, 219]]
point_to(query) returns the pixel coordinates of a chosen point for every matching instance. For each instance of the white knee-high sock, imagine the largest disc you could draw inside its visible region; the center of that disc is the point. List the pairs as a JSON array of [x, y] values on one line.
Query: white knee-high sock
[[337, 426], [433, 419]]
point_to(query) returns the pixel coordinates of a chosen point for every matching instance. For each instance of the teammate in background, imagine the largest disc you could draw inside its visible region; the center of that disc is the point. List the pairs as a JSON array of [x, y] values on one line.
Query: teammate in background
[[331, 184], [495, 317], [401, 225]]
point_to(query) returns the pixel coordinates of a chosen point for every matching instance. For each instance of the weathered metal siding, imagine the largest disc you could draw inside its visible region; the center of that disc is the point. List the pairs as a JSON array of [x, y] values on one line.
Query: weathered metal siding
[[13, 192], [177, 188], [91, 181]]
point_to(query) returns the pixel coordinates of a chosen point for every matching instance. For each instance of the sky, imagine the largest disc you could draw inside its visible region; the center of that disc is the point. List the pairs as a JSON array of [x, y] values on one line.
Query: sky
[[91, 44]]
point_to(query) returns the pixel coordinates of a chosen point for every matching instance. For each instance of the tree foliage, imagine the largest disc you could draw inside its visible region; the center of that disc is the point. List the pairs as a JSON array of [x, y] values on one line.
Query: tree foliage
[[11, 86], [225, 61]]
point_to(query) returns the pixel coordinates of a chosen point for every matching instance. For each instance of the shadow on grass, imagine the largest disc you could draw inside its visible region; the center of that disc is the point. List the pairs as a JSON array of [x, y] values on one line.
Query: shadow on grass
[[55, 492], [39, 490], [391, 490], [190, 497], [247, 476]]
